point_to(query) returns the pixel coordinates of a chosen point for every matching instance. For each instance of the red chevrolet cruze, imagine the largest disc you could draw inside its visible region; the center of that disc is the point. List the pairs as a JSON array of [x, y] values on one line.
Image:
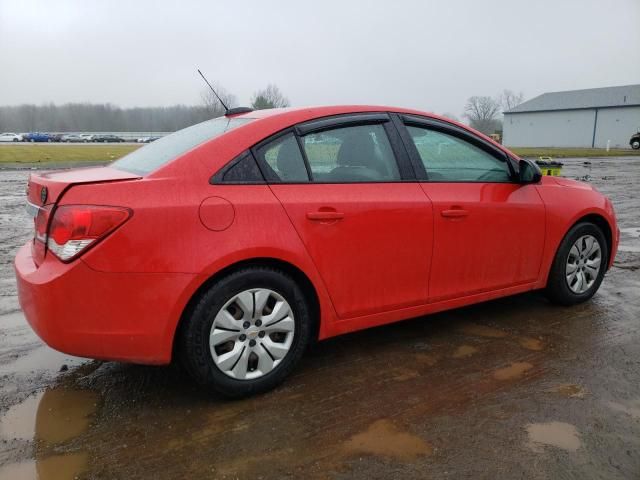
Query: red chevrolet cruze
[[234, 243]]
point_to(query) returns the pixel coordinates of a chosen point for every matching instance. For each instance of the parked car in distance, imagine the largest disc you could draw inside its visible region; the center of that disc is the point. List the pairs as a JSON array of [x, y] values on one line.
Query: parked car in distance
[[105, 138], [87, 137], [147, 139], [10, 137], [72, 138], [235, 243], [635, 141], [37, 137]]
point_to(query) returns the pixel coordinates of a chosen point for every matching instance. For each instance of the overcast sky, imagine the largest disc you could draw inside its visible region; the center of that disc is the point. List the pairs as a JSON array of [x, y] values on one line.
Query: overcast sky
[[430, 55]]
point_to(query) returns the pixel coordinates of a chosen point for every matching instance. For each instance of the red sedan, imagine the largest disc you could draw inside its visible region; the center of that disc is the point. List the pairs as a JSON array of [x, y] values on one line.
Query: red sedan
[[234, 243]]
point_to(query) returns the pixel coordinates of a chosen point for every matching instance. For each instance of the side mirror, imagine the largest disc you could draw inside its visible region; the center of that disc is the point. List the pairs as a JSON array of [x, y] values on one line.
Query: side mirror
[[529, 172]]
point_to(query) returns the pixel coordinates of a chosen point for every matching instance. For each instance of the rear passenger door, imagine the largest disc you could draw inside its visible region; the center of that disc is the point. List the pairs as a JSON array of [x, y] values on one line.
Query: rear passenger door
[[349, 189], [489, 229]]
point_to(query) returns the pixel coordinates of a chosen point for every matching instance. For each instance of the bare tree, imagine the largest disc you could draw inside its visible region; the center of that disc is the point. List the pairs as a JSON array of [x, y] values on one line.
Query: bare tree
[[509, 99], [213, 104], [482, 113], [270, 97]]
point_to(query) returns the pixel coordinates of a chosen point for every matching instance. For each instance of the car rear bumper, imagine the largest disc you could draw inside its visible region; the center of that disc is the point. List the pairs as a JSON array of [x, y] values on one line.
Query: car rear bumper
[[110, 316]]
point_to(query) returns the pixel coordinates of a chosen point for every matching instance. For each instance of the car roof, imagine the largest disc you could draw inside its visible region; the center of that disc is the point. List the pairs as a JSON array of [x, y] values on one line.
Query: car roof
[[325, 110]]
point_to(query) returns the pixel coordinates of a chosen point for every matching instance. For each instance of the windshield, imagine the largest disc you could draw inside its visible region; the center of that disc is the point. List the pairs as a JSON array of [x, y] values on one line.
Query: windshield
[[156, 154]]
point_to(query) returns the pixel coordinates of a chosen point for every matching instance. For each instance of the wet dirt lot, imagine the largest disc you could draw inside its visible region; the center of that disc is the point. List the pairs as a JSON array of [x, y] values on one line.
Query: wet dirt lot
[[514, 388]]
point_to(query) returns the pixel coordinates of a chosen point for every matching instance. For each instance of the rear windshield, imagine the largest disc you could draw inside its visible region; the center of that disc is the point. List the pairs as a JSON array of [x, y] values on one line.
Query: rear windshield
[[156, 154]]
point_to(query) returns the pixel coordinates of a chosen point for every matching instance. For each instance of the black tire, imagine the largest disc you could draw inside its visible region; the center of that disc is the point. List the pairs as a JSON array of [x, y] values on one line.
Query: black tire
[[635, 144], [558, 290], [193, 347]]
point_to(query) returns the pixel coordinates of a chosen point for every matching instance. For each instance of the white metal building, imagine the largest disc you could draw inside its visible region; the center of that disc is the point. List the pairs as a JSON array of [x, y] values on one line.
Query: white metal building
[[576, 118]]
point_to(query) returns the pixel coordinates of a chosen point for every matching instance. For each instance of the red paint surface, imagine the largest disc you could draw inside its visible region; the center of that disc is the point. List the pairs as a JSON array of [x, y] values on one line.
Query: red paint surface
[[374, 253]]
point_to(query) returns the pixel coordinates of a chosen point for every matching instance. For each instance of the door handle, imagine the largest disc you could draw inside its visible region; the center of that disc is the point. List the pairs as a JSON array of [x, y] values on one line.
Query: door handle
[[454, 213], [325, 216]]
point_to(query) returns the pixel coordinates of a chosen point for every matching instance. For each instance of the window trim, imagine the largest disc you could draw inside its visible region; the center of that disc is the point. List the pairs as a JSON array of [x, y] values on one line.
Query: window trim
[[398, 150], [336, 121], [401, 121]]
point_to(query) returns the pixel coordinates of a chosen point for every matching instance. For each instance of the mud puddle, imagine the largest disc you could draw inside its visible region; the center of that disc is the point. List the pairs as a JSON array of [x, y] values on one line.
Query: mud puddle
[[570, 390], [464, 351], [383, 438], [553, 434], [513, 371], [52, 416], [531, 344], [630, 408], [56, 467]]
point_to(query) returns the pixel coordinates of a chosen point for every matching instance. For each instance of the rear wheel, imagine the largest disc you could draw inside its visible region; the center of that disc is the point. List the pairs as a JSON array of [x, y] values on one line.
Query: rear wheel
[[247, 332], [579, 265], [635, 144]]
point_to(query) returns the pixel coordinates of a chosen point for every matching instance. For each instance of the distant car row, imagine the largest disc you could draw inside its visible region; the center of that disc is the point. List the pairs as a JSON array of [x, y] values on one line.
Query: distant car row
[[68, 138]]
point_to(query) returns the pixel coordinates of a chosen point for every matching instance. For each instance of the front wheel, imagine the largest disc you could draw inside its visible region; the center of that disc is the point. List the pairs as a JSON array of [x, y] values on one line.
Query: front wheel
[[246, 333], [635, 144], [579, 265]]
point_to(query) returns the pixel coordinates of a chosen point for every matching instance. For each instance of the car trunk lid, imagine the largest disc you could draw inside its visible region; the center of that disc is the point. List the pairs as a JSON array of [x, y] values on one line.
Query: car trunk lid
[[46, 188]]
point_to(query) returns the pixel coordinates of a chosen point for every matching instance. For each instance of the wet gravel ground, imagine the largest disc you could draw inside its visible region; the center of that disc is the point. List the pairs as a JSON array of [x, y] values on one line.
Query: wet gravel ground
[[514, 388]]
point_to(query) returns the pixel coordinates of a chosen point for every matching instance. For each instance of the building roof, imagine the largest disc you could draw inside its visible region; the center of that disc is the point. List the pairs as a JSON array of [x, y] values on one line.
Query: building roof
[[625, 96]]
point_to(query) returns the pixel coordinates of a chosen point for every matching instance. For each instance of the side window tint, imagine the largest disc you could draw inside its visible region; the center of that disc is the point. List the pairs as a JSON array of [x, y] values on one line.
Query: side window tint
[[283, 160], [449, 159], [245, 170], [351, 154]]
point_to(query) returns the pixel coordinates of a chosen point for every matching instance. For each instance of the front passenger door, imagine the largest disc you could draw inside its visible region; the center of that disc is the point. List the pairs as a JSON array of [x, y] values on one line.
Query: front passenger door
[[488, 229]]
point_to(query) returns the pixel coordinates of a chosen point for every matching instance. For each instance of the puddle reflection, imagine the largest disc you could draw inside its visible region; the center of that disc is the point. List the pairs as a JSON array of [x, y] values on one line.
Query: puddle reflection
[[47, 420]]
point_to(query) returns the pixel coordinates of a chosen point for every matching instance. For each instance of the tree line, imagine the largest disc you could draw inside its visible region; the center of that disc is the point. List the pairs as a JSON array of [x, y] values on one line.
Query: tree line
[[91, 117], [88, 117], [482, 112]]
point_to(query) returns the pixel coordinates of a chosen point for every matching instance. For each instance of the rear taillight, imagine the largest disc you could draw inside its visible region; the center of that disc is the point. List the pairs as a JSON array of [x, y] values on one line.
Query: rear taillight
[[74, 228]]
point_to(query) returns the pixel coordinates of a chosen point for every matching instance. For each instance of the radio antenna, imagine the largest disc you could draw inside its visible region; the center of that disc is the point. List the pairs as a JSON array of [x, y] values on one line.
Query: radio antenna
[[226, 109]]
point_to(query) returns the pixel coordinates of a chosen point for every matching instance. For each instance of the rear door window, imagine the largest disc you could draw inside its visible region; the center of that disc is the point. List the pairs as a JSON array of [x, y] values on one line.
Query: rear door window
[[351, 154]]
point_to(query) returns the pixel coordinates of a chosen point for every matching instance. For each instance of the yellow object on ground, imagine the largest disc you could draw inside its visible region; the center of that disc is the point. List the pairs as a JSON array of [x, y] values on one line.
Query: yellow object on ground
[[549, 166]]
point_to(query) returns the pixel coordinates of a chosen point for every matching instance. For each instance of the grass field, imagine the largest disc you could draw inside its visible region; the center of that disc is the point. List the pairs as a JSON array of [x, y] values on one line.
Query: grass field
[[573, 152], [56, 153]]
